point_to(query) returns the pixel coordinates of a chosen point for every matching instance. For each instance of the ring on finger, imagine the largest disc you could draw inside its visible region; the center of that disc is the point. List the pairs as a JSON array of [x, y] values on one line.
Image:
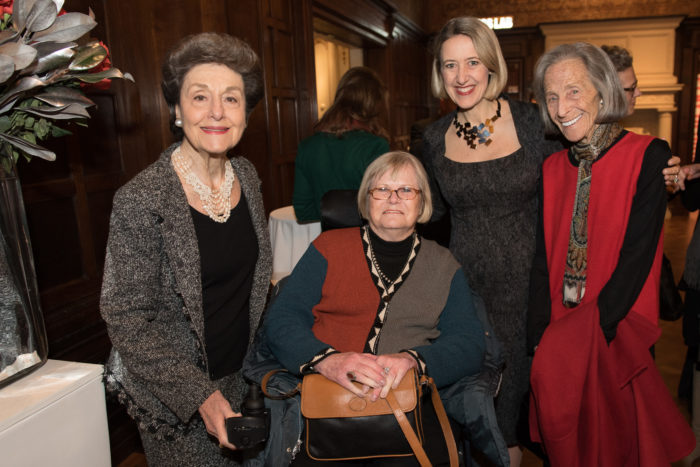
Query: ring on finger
[[351, 375], [675, 179], [386, 370]]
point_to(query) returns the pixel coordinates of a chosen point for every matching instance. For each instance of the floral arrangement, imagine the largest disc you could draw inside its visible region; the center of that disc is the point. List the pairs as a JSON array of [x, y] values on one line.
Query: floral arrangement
[[43, 71]]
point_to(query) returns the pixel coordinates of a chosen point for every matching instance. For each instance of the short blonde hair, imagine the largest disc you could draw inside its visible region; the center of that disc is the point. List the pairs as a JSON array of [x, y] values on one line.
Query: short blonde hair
[[601, 72], [486, 46], [394, 161]]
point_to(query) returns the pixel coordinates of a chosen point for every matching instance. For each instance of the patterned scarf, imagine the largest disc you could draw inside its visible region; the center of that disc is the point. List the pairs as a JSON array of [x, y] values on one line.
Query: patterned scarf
[[577, 256]]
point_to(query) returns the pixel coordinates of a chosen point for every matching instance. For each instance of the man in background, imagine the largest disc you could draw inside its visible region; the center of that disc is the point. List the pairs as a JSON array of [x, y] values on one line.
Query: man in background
[[622, 60]]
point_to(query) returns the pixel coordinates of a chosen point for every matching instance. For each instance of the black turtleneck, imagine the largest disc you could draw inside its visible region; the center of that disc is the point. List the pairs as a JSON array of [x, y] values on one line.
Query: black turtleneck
[[390, 256]]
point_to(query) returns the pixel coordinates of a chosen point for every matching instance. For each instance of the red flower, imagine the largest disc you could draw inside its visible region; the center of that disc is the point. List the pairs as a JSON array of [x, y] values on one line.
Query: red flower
[[6, 6], [106, 64]]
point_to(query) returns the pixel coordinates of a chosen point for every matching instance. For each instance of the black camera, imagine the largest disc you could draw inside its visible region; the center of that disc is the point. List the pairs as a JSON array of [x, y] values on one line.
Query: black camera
[[253, 427]]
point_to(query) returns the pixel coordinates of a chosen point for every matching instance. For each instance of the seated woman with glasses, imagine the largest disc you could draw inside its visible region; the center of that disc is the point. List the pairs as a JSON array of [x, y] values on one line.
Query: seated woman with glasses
[[369, 303]]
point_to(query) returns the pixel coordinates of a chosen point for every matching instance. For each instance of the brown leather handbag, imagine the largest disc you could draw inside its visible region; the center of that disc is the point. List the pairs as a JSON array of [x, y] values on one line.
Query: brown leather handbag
[[343, 426]]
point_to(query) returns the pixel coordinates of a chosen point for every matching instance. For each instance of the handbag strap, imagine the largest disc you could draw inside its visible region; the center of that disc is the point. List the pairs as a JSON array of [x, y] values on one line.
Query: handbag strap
[[286, 395], [411, 435]]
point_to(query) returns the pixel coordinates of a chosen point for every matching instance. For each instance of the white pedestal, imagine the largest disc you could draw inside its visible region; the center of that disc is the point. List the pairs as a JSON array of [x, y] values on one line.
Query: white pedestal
[[55, 416]]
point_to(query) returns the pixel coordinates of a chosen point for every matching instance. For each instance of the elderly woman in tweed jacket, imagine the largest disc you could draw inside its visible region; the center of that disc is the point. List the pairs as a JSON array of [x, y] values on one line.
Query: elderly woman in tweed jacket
[[188, 262]]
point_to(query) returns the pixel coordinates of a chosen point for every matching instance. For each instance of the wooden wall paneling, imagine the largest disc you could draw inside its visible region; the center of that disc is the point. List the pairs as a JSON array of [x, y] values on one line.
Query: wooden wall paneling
[[254, 144], [408, 79], [308, 110], [365, 20], [521, 48], [289, 82], [687, 69], [146, 30]]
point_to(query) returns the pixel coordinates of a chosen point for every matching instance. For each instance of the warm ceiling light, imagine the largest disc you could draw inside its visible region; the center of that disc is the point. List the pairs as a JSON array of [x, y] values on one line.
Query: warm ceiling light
[[499, 22]]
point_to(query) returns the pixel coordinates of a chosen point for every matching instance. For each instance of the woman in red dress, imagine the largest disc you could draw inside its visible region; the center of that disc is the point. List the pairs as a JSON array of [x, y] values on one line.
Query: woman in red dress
[[597, 398]]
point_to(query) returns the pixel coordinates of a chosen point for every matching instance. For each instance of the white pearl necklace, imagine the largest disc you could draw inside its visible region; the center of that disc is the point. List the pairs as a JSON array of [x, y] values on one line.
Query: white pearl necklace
[[216, 203]]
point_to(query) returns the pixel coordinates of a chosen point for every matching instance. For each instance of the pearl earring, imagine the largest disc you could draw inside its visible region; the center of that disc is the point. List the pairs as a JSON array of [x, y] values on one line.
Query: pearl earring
[[178, 123]]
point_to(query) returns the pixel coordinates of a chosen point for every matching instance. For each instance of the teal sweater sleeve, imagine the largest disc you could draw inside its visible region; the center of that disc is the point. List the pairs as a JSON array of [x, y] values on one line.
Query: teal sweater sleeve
[[459, 350], [290, 319]]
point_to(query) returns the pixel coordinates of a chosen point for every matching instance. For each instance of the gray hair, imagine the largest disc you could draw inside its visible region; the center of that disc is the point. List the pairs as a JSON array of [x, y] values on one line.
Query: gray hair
[[394, 161], [601, 72], [486, 46]]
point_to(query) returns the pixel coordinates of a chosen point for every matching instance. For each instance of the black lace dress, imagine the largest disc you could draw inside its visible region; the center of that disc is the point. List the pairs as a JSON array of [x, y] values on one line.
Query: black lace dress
[[493, 209]]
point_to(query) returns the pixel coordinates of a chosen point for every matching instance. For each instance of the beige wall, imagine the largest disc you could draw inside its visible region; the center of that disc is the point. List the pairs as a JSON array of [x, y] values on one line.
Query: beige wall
[[534, 12]]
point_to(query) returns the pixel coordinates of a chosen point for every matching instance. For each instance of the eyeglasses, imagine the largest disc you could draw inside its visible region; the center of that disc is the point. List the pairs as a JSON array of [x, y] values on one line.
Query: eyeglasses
[[405, 192], [632, 88]]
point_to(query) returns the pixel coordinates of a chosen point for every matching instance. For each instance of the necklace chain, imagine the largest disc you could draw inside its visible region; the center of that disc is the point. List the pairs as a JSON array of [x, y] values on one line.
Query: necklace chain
[[387, 282], [482, 133], [382, 276], [216, 203]]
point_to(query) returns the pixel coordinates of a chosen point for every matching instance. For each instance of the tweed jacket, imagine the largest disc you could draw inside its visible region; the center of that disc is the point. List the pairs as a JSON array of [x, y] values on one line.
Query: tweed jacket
[[152, 298]]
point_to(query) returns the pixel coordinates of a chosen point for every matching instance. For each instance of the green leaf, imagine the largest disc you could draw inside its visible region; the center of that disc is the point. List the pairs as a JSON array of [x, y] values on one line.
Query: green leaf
[[29, 148], [18, 120], [29, 122], [29, 136], [88, 57], [58, 132], [42, 128], [5, 123], [42, 15], [68, 27]]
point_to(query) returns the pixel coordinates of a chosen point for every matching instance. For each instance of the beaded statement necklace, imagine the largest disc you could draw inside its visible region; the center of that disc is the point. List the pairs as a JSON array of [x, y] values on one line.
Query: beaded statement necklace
[[482, 133], [216, 203]]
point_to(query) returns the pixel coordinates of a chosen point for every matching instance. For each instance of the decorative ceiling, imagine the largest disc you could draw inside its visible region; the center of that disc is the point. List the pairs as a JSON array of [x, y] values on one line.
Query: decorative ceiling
[[431, 15]]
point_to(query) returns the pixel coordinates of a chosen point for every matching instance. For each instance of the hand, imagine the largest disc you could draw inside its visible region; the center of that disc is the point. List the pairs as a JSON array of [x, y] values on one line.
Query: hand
[[345, 367], [673, 176], [690, 172], [214, 411], [395, 367]]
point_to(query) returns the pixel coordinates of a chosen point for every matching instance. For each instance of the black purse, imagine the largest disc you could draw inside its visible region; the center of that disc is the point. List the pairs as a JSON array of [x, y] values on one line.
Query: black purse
[[342, 426], [670, 301]]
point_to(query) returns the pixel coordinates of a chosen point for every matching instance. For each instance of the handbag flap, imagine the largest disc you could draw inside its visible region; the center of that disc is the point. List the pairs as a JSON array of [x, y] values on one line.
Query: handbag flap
[[323, 398]]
